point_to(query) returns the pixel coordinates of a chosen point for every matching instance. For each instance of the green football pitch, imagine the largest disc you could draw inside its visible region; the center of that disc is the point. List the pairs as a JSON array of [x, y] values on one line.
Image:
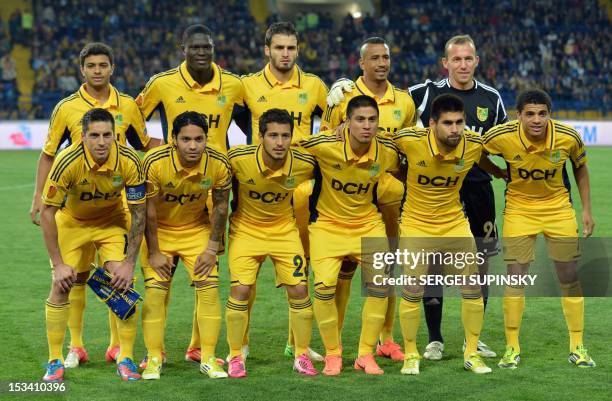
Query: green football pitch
[[544, 373]]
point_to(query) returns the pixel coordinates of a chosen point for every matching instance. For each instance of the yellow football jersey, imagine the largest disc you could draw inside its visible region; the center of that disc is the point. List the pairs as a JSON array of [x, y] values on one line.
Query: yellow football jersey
[[183, 191], [262, 195], [434, 179], [175, 91], [345, 189], [65, 123], [537, 175], [396, 109], [303, 96], [87, 191]]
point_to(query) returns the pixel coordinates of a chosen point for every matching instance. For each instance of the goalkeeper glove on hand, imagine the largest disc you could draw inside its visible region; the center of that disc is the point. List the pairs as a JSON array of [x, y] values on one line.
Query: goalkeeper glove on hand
[[336, 92]]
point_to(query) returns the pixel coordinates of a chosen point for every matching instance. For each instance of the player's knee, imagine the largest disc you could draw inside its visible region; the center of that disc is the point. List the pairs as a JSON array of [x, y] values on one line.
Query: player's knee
[[299, 291], [567, 272], [514, 269], [348, 266], [240, 292]]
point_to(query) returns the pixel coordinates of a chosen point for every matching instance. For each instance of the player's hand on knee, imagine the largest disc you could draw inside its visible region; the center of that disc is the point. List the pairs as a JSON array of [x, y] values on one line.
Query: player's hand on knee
[[336, 92], [204, 264], [122, 272], [35, 210], [63, 276], [162, 265]]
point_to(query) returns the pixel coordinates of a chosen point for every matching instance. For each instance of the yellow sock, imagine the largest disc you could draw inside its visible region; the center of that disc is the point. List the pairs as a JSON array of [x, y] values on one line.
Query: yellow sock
[[514, 305], [410, 317], [166, 306], [245, 339], [209, 318], [56, 317], [572, 302], [236, 320], [300, 319], [153, 313], [195, 329], [386, 333], [290, 339], [343, 293], [114, 333], [327, 318], [372, 320], [127, 330], [78, 301], [472, 315]]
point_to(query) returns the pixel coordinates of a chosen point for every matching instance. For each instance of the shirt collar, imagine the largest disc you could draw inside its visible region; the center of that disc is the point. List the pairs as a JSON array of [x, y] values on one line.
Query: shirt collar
[[389, 96], [295, 81], [266, 171], [349, 155], [112, 102], [111, 163], [178, 167], [456, 154], [548, 144], [213, 86]]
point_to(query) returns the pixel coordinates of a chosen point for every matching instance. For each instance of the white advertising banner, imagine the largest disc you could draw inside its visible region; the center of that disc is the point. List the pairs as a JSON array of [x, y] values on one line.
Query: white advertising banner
[[31, 134]]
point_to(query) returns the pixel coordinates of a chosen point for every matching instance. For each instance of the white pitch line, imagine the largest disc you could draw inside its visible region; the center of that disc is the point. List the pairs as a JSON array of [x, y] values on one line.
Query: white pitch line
[[9, 188]]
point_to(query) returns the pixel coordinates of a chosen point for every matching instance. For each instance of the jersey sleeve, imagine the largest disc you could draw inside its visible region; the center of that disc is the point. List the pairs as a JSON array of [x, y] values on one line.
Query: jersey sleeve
[[223, 173], [332, 117], [420, 95], [578, 151], [58, 131], [410, 120], [321, 98], [501, 116], [136, 134], [135, 188], [59, 180], [149, 98], [151, 175], [491, 143]]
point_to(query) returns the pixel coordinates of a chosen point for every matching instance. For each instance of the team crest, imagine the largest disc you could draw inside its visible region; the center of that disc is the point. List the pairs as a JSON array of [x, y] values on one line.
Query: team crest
[[459, 165], [482, 113], [119, 119], [117, 181], [374, 169], [397, 114], [303, 98], [555, 156], [290, 182], [206, 183], [221, 100]]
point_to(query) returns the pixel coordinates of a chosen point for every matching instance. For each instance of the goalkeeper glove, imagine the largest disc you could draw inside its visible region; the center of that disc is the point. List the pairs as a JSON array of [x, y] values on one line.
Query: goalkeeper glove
[[336, 92]]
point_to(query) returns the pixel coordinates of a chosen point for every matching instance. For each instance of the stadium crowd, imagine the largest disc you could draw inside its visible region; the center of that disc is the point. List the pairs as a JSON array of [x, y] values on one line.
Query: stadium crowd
[[566, 54]]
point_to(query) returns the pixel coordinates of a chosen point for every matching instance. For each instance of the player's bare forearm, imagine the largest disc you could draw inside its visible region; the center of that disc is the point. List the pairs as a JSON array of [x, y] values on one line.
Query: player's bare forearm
[[153, 143], [138, 213], [581, 174], [151, 225], [219, 215], [49, 228], [45, 162]]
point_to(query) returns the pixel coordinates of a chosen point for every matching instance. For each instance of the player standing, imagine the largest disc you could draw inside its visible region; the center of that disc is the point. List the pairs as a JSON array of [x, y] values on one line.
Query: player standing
[[536, 148], [87, 182], [181, 176], [97, 65]]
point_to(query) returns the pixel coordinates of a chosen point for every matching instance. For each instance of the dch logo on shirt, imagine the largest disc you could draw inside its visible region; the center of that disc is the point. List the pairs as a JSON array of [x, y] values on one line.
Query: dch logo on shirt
[[350, 188]]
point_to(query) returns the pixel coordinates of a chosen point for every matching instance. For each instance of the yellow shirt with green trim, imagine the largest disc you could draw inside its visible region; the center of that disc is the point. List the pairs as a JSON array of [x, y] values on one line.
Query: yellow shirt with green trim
[[87, 191], [303, 96], [345, 190], [262, 195], [65, 123], [174, 91], [183, 191], [537, 175], [396, 109], [435, 178]]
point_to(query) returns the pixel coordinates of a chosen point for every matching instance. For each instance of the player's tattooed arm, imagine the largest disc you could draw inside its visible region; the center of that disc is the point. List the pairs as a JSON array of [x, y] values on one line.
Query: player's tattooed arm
[[207, 259], [123, 271]]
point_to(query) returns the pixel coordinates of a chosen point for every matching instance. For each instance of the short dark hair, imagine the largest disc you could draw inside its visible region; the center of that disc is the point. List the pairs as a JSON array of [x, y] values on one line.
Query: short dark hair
[[96, 49], [95, 115], [374, 40], [360, 101], [195, 29], [533, 96], [444, 104], [278, 116], [189, 118], [281, 28]]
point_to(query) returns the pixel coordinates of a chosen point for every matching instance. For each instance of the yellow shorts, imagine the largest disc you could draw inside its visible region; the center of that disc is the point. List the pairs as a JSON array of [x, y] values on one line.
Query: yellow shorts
[[455, 251], [79, 240], [331, 243], [250, 244], [558, 226], [390, 191], [184, 244], [301, 197]]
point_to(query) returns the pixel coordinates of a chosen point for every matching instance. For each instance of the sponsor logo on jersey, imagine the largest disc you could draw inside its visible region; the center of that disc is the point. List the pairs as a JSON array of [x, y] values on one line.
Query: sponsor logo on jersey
[[180, 100], [262, 99]]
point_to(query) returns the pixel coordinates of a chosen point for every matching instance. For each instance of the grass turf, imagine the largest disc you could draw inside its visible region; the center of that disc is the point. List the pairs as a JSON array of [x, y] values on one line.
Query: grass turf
[[544, 373]]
